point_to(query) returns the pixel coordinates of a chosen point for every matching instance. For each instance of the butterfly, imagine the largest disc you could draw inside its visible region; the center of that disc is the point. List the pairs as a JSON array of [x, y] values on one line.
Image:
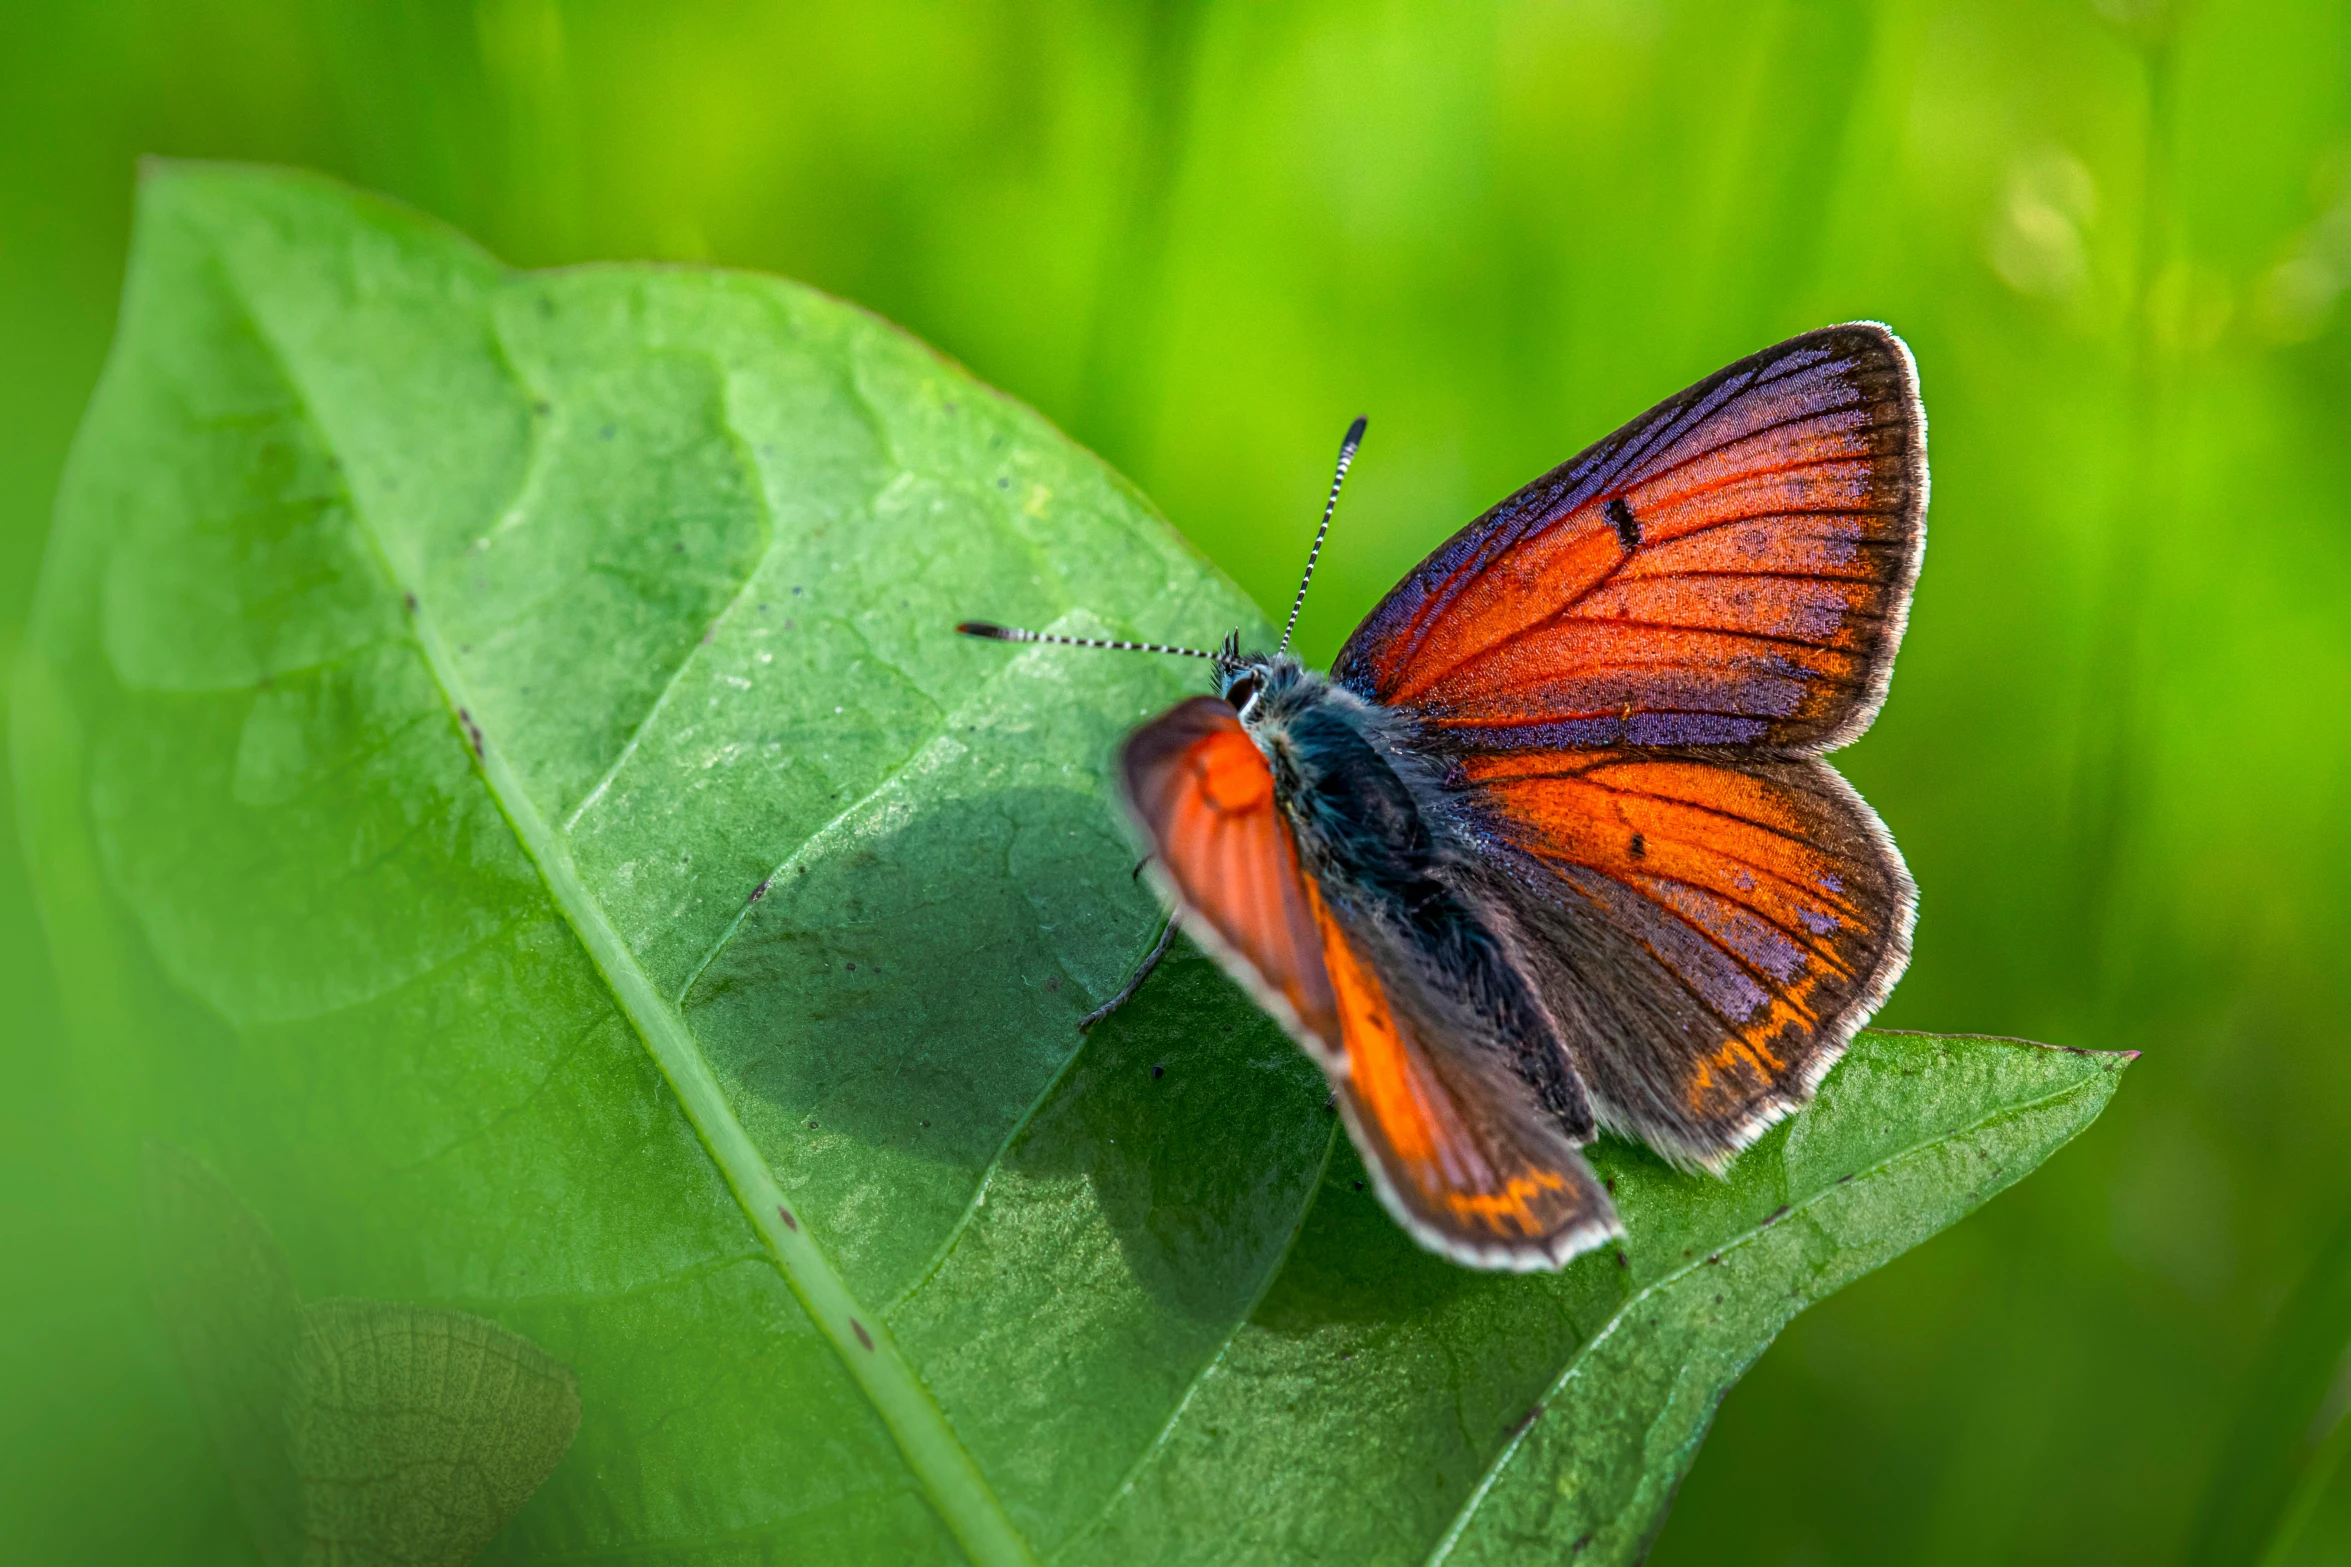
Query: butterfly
[[1551, 849]]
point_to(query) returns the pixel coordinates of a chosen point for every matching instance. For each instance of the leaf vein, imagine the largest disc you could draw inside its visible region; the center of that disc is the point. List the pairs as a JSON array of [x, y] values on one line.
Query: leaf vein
[[748, 456]]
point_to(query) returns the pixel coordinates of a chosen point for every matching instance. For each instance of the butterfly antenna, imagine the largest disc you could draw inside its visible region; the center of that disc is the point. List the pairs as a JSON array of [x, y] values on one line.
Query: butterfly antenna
[[996, 633], [1346, 456]]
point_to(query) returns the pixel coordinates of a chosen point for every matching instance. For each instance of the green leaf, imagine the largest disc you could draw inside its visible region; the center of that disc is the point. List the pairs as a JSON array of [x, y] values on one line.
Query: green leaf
[[495, 749], [354, 1432]]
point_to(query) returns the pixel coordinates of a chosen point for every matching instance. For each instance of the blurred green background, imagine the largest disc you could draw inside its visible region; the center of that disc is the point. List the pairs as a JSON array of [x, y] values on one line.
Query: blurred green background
[[1199, 237]]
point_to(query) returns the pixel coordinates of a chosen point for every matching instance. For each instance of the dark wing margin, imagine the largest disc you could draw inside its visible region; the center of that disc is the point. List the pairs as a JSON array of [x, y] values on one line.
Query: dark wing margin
[[1731, 569], [1708, 934]]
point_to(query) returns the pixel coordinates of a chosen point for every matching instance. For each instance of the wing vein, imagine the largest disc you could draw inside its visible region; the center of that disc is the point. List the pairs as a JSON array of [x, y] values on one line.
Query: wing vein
[[1634, 623]]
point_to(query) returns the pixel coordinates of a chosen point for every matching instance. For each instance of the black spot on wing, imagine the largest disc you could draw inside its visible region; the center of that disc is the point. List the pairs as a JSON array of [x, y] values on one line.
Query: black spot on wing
[[1627, 526]]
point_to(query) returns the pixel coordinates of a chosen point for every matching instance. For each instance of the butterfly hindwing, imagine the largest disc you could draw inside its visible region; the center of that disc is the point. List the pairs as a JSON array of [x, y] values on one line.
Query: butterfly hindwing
[[1708, 933], [1461, 1150], [1461, 1154], [1730, 569]]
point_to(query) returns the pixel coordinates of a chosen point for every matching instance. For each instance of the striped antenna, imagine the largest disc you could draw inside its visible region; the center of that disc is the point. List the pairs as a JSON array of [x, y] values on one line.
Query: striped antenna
[[996, 633], [1346, 456]]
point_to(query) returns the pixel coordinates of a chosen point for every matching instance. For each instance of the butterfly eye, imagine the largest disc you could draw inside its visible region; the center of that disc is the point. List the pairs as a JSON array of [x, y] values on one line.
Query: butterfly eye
[[1242, 692]]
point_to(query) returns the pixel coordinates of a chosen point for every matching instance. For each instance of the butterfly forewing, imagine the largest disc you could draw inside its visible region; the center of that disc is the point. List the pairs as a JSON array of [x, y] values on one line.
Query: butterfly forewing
[[1730, 569], [1204, 798]]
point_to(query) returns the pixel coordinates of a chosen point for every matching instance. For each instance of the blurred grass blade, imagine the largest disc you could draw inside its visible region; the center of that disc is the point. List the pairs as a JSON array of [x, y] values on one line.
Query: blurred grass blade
[[2291, 1430]]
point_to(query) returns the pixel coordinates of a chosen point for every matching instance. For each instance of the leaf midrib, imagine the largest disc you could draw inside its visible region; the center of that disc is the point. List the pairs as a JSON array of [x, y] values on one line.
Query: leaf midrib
[[950, 1477], [1454, 1531]]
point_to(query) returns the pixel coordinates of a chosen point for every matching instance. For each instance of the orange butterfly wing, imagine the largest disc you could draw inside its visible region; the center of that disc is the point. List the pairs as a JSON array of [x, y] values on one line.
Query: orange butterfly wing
[[1731, 569], [1710, 934], [1200, 790], [1460, 1155]]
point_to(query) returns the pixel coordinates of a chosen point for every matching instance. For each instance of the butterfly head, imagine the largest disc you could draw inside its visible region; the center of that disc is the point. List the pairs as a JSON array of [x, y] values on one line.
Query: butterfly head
[[1239, 676], [1246, 679]]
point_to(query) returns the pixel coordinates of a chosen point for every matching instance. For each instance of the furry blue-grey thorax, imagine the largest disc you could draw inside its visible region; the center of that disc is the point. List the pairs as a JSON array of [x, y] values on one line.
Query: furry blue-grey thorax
[[1360, 801]]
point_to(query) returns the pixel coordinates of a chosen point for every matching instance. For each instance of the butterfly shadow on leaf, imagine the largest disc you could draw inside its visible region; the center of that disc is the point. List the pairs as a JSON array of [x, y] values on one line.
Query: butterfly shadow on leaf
[[905, 1010]]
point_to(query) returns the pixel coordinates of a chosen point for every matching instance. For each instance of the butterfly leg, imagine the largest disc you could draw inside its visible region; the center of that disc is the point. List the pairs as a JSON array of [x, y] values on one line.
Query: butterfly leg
[[1134, 981]]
